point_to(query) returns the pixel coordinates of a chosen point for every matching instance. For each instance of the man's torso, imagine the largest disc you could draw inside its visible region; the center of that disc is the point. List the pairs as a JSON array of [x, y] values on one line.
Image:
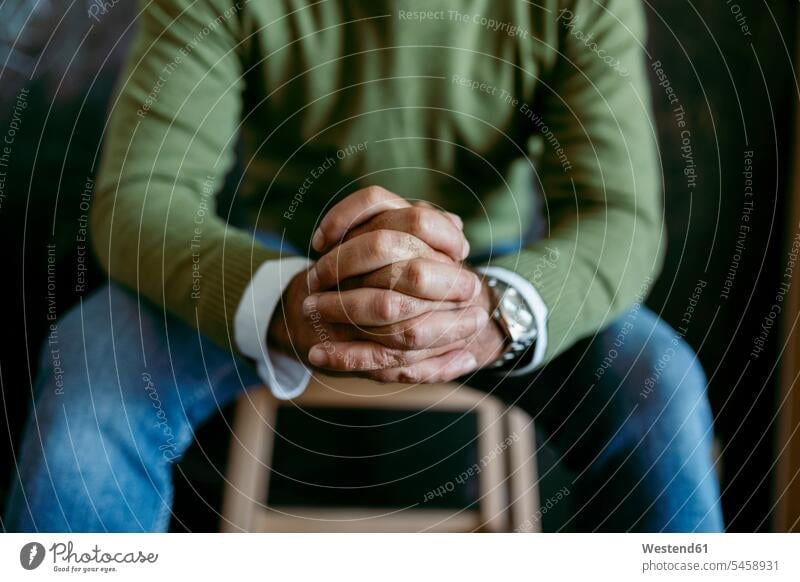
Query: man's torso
[[432, 100]]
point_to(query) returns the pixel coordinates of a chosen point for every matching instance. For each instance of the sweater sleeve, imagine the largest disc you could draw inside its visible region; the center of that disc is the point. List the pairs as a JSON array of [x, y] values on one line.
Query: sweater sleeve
[[602, 193], [169, 146]]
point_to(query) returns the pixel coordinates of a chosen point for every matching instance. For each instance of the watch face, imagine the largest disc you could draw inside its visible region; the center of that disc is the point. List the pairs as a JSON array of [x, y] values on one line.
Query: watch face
[[516, 313]]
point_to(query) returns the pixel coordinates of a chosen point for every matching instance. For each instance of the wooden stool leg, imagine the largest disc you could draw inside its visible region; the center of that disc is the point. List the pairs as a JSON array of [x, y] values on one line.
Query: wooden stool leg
[[493, 500], [250, 458], [523, 473]]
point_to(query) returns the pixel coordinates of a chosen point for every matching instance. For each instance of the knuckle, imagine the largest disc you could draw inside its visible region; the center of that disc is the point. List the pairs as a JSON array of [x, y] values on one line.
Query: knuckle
[[331, 220], [375, 194], [420, 220], [417, 274], [384, 241], [386, 306], [334, 222], [412, 337]]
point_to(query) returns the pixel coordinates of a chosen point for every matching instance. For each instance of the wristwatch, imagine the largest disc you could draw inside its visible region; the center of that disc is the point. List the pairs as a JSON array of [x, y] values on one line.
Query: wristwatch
[[515, 317]]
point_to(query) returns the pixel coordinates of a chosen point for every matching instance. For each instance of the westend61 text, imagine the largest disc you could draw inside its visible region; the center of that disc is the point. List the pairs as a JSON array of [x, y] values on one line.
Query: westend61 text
[[675, 549]]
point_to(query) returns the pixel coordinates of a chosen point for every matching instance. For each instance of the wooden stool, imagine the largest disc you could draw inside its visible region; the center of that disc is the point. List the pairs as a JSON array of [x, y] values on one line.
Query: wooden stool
[[507, 480]]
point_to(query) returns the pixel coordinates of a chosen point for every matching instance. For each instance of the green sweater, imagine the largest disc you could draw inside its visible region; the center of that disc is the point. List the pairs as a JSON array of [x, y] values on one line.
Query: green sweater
[[473, 105]]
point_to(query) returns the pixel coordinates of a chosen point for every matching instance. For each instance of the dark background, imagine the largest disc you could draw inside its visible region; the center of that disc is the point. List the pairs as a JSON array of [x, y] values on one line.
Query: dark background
[[739, 94]]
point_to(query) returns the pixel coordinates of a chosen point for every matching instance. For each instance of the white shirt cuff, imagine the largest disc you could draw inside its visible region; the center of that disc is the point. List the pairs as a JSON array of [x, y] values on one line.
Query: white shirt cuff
[[286, 378], [539, 309]]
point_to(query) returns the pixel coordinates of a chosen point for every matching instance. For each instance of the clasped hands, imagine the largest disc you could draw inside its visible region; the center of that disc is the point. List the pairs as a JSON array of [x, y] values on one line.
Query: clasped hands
[[391, 299]]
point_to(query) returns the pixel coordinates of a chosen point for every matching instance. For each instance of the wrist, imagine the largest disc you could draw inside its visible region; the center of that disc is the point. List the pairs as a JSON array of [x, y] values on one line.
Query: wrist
[[513, 313], [494, 340], [278, 337]]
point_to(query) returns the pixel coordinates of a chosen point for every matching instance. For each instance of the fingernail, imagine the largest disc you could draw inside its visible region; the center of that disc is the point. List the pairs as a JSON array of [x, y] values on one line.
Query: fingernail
[[457, 219], [465, 252], [313, 280], [310, 304], [318, 240], [316, 355]]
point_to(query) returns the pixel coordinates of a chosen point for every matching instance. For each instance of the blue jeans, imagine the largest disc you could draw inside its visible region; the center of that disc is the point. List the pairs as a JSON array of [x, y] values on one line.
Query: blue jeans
[[123, 385]]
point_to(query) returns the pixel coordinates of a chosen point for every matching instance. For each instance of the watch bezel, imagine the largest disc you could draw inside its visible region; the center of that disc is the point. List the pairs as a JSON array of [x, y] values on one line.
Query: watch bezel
[[520, 339]]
